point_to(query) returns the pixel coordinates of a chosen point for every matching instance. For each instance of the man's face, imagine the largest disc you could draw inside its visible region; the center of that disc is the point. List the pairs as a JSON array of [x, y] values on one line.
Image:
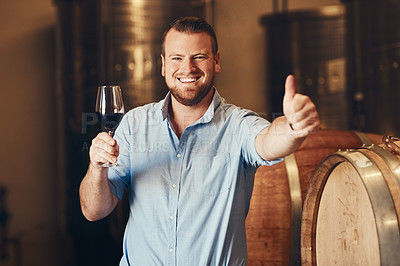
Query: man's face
[[188, 66]]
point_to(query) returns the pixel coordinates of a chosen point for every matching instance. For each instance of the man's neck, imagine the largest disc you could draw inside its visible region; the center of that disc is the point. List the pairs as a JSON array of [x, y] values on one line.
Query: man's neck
[[182, 116]]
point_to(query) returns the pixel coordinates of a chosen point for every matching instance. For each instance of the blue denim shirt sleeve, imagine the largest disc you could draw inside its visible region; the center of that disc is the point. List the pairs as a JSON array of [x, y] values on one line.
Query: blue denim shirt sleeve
[[251, 124]]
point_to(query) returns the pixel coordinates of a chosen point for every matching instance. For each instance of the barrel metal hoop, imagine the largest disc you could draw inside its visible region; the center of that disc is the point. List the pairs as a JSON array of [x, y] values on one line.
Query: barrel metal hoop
[[363, 137], [295, 207], [390, 159]]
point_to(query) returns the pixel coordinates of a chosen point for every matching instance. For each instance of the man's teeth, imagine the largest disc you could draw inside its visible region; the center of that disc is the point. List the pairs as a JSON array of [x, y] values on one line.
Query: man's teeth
[[188, 79]]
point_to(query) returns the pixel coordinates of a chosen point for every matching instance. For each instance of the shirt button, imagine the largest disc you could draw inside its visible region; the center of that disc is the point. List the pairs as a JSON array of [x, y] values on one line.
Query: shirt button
[[174, 185], [171, 250], [171, 217], [179, 155]]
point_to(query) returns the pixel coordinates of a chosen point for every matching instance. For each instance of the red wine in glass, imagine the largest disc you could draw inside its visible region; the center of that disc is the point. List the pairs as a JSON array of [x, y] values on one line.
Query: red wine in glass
[[109, 121], [109, 110]]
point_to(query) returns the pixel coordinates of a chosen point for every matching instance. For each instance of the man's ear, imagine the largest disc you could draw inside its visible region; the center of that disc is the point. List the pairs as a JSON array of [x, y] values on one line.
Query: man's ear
[[217, 63], [162, 65]]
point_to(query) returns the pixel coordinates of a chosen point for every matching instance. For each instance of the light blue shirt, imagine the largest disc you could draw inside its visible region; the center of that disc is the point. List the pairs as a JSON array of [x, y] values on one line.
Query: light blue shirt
[[188, 197]]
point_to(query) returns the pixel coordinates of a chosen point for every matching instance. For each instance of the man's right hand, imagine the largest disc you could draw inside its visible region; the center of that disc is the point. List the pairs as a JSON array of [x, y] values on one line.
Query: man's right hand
[[103, 149]]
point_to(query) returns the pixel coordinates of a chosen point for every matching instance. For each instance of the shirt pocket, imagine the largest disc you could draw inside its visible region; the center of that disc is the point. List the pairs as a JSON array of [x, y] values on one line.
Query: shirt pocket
[[211, 175]]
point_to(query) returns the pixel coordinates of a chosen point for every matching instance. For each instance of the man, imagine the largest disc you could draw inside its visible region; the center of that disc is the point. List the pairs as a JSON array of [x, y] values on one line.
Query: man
[[189, 160]]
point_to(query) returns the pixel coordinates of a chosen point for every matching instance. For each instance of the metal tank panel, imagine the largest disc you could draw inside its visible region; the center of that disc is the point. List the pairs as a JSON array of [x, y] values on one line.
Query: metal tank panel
[[373, 49], [136, 27], [311, 45]]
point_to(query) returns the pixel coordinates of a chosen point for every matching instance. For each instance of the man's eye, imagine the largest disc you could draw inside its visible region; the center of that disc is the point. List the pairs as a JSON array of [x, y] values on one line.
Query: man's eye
[[200, 57], [175, 58]]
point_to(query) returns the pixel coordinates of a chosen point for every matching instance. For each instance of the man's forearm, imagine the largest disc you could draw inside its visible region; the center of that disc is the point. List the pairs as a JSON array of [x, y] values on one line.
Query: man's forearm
[[97, 200], [278, 140]]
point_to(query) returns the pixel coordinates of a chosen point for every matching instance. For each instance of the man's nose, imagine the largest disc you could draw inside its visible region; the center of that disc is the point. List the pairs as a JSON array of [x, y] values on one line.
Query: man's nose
[[188, 65]]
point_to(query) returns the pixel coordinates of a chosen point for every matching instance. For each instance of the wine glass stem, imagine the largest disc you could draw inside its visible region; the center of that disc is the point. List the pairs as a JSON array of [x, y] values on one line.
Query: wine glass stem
[[111, 133]]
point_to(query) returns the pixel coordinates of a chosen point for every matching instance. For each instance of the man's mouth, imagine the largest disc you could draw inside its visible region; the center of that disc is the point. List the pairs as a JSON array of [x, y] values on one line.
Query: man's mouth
[[188, 80]]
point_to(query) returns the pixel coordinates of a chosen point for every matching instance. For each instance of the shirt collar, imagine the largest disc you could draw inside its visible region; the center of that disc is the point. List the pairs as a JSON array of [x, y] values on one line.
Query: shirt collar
[[164, 106], [208, 115]]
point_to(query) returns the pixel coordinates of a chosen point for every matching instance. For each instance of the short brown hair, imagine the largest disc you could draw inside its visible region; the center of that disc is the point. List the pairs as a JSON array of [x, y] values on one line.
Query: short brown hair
[[191, 25]]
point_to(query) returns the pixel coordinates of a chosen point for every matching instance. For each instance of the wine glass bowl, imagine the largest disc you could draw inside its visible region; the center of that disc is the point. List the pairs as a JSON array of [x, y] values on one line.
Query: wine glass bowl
[[109, 109]]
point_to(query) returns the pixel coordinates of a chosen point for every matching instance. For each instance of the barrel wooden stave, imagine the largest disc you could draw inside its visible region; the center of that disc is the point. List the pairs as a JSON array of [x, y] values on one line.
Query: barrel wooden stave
[[338, 240]]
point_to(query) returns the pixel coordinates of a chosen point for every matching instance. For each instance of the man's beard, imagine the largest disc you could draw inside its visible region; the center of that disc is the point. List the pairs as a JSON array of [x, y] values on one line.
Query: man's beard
[[197, 98]]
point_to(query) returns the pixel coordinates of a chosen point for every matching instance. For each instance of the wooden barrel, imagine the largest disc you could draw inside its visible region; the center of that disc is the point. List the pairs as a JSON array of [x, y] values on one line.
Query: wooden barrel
[[351, 210], [274, 220]]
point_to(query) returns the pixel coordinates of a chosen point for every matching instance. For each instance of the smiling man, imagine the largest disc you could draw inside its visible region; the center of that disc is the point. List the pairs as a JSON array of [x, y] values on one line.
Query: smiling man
[[188, 65], [191, 180]]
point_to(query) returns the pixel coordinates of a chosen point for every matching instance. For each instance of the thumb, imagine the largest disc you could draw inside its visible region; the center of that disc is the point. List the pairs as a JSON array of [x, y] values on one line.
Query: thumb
[[290, 88], [290, 92]]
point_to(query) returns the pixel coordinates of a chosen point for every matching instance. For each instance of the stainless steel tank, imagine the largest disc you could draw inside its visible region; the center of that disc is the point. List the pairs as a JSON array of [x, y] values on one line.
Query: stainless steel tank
[[311, 45], [374, 64], [105, 42], [135, 29]]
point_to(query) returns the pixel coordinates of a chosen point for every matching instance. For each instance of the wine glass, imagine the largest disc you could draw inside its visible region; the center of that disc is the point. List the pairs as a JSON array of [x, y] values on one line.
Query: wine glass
[[109, 110]]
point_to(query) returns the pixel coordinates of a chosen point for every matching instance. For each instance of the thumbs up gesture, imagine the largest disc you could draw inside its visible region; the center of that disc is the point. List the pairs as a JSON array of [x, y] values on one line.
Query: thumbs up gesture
[[300, 112]]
